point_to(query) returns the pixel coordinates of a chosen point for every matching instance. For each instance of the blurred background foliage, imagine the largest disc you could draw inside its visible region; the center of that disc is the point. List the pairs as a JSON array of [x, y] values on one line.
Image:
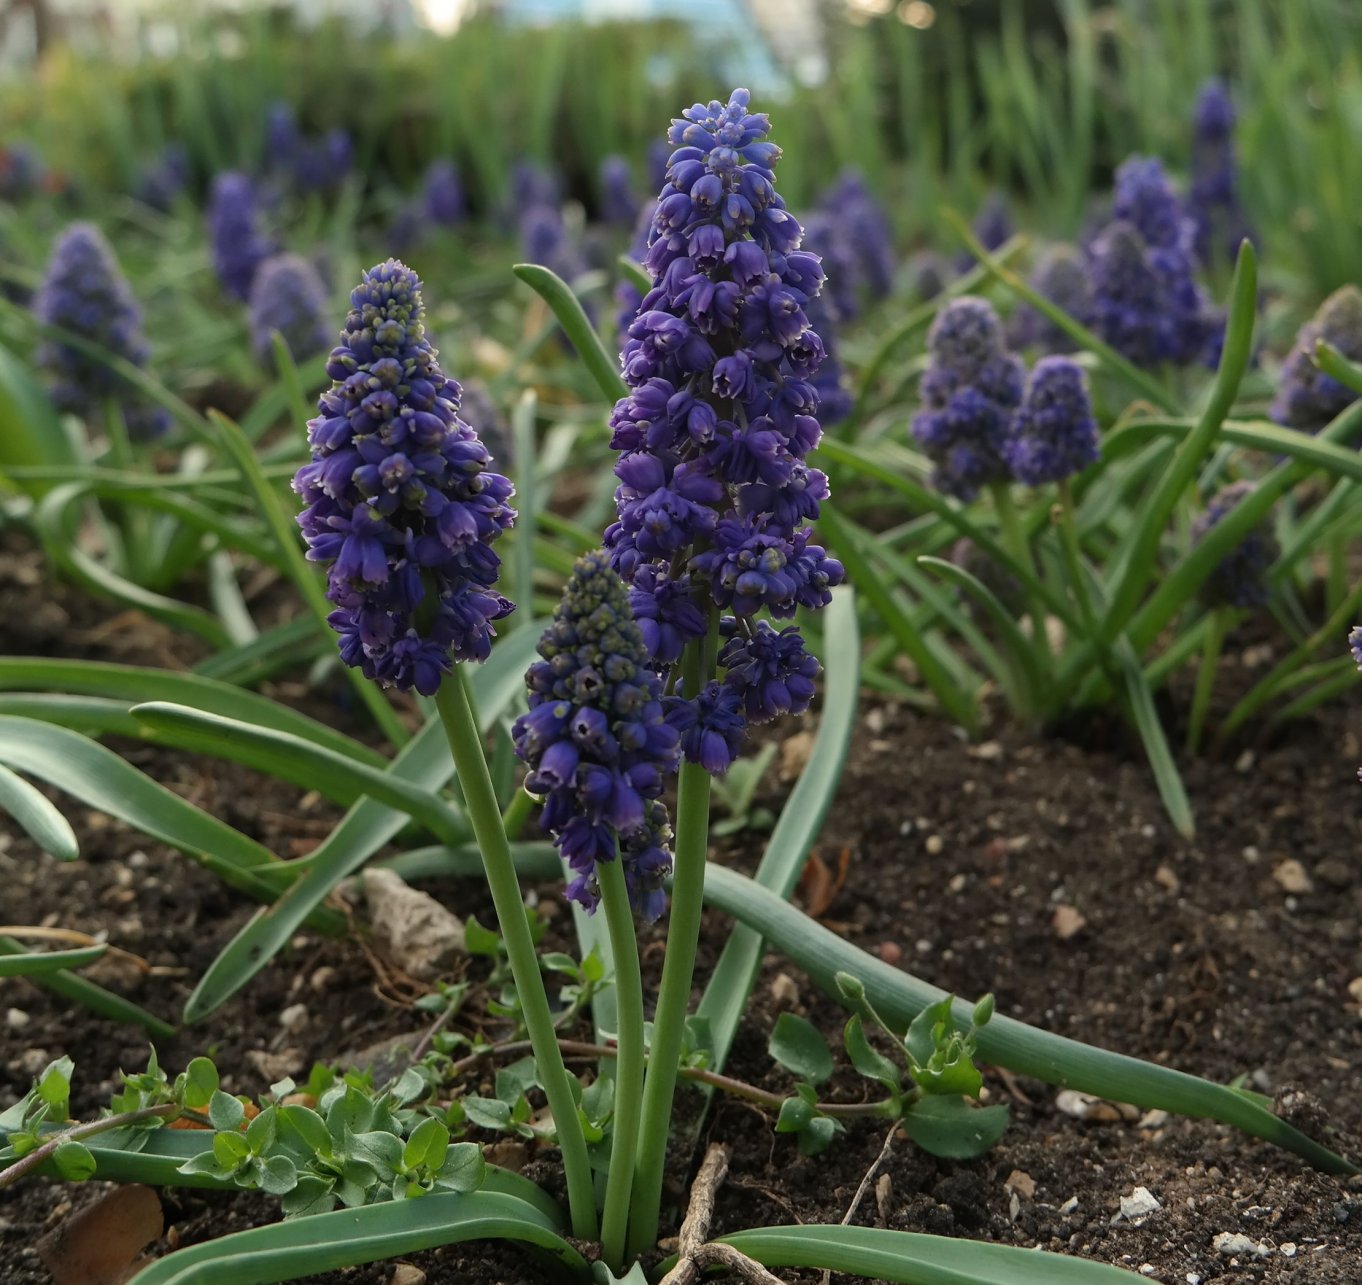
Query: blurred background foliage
[[935, 103]]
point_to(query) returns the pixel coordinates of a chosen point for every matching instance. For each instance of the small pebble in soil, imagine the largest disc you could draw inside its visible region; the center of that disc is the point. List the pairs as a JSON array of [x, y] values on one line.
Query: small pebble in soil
[[1139, 1204], [16, 1019], [1234, 1244]]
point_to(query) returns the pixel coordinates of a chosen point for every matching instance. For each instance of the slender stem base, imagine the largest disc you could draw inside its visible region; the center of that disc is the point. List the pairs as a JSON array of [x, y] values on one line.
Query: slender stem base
[[673, 1003], [1205, 677], [619, 919], [470, 762], [1015, 542]]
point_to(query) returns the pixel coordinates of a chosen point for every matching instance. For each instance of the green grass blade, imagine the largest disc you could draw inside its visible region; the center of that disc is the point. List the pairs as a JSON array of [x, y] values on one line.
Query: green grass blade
[[76, 990], [725, 999], [31, 431], [37, 816], [1146, 719], [424, 764], [281, 647], [47, 961], [134, 685], [577, 326], [1005, 1041], [1141, 562], [915, 1258], [291, 758], [845, 539], [349, 1237]]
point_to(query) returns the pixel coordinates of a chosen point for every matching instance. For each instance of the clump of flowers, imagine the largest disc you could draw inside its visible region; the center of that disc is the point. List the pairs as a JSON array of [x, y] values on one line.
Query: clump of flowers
[[1241, 578], [1053, 434], [545, 239], [1307, 398], [288, 296], [853, 207], [163, 182], [619, 202], [240, 245], [1061, 276], [992, 226], [442, 196], [1146, 302], [715, 495], [321, 164], [21, 171], [970, 390], [596, 740], [85, 292], [400, 501], [1213, 193]]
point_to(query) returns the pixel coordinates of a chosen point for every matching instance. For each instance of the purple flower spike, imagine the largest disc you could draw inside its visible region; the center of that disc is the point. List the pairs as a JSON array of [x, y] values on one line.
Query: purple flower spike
[[1307, 398], [725, 369], [1241, 578], [239, 244], [970, 391], [1213, 194], [619, 203], [400, 502], [443, 197], [1053, 435], [84, 291], [1061, 277], [1355, 644], [596, 740], [288, 296]]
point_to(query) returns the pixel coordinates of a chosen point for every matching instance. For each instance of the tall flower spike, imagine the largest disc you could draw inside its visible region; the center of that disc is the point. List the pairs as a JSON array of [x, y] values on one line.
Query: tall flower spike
[[400, 503], [970, 390], [288, 296], [992, 226], [443, 197], [714, 492], [1061, 277], [1241, 578], [1307, 398], [84, 291], [619, 203], [1053, 435], [239, 244], [597, 744], [1355, 644], [852, 206], [1213, 193]]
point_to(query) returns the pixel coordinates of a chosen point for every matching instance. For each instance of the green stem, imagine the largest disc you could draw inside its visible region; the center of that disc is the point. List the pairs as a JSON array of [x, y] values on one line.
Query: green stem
[[673, 1002], [135, 534], [517, 813], [1336, 587], [1205, 678], [35, 1158], [470, 763], [619, 920], [1073, 556], [1015, 542]]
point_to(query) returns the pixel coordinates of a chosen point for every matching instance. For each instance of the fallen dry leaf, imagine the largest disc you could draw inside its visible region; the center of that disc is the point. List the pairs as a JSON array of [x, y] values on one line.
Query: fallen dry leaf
[[818, 886], [102, 1244]]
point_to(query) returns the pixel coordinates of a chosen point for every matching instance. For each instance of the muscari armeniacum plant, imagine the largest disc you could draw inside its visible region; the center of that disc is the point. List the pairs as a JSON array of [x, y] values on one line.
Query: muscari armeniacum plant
[[403, 509], [85, 294]]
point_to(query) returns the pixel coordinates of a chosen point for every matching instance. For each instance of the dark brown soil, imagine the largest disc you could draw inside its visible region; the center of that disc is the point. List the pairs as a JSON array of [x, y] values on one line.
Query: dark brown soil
[[1191, 954]]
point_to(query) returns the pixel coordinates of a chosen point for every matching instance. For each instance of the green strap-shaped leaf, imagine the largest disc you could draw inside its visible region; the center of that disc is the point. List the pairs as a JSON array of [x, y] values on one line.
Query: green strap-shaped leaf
[[725, 999], [914, 1258], [424, 764], [577, 326], [31, 432], [1140, 562], [52, 519], [37, 816], [349, 1237], [846, 538], [32, 963], [133, 685], [293, 643], [899, 997], [76, 990], [291, 758]]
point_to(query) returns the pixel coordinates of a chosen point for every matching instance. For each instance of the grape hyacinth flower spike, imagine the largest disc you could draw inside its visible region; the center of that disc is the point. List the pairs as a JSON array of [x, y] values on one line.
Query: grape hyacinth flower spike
[[596, 740], [1240, 579], [84, 291], [239, 244], [970, 390], [1053, 435], [1213, 193], [1307, 398], [401, 504], [288, 296], [715, 495]]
